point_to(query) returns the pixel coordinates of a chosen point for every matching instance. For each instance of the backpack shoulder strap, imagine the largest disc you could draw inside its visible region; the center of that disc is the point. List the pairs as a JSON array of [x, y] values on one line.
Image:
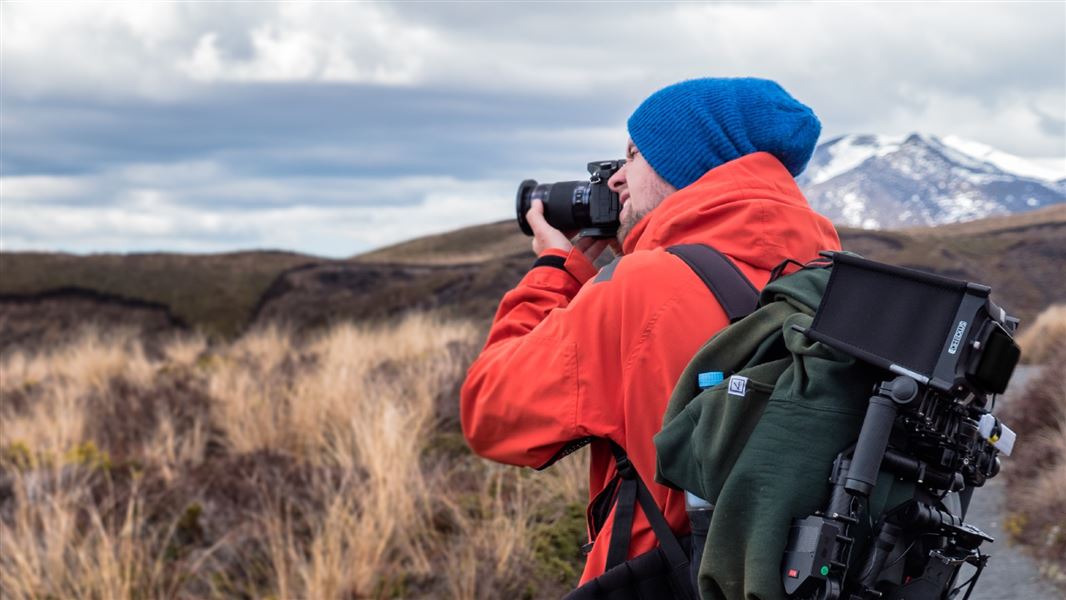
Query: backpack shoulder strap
[[631, 492], [734, 292], [627, 575]]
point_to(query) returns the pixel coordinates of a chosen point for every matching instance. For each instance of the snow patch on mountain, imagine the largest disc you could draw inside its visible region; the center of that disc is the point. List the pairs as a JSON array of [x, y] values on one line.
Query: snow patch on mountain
[[1047, 169], [879, 181], [851, 151]]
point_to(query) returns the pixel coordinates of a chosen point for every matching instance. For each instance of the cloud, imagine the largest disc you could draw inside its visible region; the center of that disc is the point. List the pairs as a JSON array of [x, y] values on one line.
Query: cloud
[[202, 207], [553, 49], [302, 42], [233, 119], [321, 129], [29, 187], [167, 51]]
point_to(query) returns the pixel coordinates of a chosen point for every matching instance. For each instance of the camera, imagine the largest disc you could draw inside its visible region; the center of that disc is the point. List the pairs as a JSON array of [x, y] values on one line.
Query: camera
[[588, 206]]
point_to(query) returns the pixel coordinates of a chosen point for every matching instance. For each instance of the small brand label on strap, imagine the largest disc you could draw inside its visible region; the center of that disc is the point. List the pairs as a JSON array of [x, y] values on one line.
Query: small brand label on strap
[[738, 386]]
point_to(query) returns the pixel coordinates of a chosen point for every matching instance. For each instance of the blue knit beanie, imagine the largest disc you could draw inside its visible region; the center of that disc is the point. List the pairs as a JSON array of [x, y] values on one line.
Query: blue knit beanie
[[689, 128]]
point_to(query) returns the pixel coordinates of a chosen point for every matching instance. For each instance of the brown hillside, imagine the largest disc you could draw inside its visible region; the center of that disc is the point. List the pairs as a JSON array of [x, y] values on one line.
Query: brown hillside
[[1019, 256], [216, 293], [467, 245], [1049, 216], [320, 294], [1021, 262], [464, 272]]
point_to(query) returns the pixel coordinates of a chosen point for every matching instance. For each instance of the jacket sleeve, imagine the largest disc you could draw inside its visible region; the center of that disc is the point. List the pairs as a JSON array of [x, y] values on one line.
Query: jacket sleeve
[[522, 398]]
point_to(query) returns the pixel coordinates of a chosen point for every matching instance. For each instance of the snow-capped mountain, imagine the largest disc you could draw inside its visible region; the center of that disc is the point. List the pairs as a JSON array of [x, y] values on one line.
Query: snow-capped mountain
[[887, 182]]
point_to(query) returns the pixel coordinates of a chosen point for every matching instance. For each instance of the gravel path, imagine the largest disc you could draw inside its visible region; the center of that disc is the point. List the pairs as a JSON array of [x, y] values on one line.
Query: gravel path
[[1010, 574]]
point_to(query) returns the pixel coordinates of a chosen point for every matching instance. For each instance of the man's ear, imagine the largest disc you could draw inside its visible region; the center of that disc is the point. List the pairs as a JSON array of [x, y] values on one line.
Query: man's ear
[[663, 187]]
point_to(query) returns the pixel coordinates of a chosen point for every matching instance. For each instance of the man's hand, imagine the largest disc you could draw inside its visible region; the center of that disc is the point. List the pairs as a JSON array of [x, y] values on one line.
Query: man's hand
[[545, 236]]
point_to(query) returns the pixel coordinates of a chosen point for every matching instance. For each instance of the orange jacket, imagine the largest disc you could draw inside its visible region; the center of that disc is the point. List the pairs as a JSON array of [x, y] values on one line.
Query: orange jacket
[[568, 358]]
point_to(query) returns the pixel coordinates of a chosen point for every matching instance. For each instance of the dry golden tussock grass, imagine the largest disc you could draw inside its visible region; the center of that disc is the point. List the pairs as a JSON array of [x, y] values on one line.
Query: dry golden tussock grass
[[1039, 508], [92, 361], [1036, 493], [185, 349], [352, 547], [1038, 341], [58, 544], [330, 467], [51, 426]]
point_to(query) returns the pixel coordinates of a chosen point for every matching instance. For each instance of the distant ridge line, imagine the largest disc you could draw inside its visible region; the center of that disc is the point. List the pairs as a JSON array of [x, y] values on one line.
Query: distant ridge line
[[76, 292], [1042, 217]]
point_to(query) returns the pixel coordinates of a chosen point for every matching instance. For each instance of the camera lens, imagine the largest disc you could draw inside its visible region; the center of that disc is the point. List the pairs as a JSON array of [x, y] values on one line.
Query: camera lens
[[588, 207], [566, 204]]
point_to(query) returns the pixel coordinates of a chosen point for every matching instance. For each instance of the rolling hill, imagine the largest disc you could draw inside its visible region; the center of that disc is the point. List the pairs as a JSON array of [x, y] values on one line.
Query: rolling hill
[[460, 273]]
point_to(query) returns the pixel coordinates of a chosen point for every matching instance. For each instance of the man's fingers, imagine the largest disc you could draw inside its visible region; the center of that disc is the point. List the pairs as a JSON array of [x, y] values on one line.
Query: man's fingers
[[535, 215], [544, 235]]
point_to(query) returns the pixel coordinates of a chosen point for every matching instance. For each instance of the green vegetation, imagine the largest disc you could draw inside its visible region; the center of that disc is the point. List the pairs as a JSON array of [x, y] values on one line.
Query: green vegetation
[[557, 543], [87, 454], [18, 455]]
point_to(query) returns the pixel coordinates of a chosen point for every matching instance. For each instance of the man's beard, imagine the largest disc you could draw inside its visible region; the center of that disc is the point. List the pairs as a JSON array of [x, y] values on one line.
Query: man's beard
[[628, 222]]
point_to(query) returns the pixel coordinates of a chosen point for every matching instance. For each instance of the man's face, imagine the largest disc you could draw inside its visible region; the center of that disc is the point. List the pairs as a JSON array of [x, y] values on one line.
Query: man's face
[[639, 189]]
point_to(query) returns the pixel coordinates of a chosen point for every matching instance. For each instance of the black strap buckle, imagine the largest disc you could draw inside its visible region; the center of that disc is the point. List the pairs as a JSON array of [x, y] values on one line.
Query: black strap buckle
[[631, 492], [625, 468]]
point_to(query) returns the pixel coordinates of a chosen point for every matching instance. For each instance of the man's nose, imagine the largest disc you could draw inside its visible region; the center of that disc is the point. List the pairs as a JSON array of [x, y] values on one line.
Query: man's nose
[[618, 180]]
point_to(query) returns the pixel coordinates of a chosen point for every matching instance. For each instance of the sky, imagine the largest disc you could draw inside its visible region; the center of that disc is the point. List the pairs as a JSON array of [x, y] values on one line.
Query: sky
[[335, 128]]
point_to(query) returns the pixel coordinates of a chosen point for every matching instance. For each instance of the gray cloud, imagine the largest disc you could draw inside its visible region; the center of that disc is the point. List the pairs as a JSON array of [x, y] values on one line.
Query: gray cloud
[[1053, 126], [308, 129], [228, 117]]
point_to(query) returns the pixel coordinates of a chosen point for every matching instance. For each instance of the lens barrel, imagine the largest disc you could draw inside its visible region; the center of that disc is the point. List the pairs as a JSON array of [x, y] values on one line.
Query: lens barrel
[[566, 204]]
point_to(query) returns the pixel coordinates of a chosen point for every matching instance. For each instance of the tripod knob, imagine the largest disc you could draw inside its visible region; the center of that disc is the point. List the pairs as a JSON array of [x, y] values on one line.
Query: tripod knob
[[901, 390]]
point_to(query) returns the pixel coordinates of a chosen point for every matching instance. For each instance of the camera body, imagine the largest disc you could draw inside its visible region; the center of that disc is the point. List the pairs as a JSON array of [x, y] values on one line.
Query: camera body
[[589, 207]]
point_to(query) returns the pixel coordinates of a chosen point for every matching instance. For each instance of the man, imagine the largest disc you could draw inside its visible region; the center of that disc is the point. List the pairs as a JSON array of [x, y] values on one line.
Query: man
[[573, 354]]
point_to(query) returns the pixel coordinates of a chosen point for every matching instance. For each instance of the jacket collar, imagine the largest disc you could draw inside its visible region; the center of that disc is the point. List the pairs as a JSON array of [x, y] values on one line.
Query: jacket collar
[[749, 208]]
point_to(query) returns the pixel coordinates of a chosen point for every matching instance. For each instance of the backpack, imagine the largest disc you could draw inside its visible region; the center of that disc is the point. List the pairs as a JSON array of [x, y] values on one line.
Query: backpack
[[759, 446], [757, 428], [765, 421]]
